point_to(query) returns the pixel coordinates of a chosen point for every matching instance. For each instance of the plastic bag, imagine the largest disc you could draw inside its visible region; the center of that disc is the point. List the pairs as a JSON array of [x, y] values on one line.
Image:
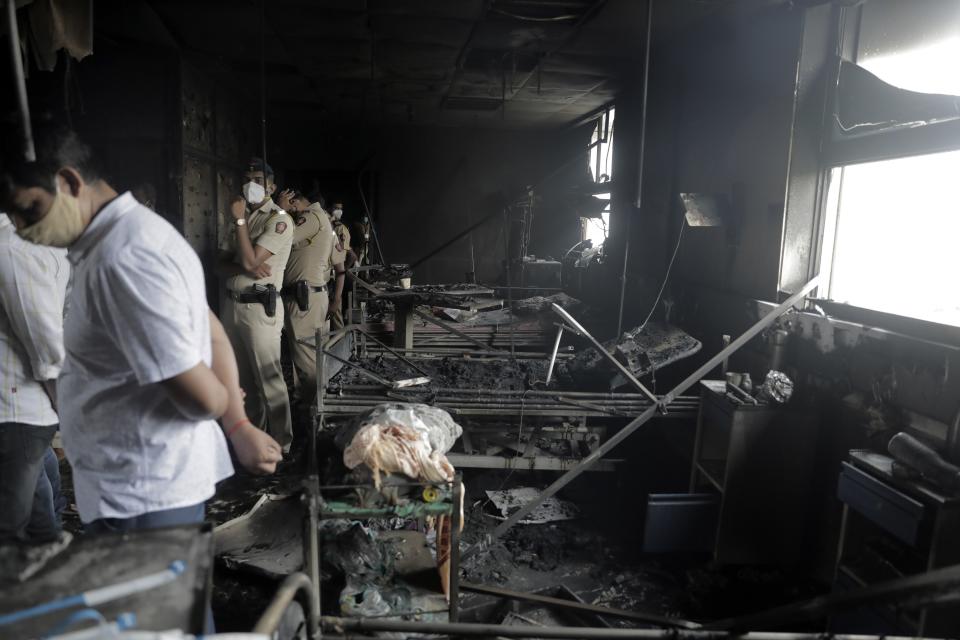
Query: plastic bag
[[402, 438]]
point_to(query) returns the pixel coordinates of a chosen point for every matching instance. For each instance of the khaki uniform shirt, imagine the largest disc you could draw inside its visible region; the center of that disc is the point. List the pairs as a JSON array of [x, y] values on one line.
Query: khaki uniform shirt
[[314, 244], [343, 235], [271, 228]]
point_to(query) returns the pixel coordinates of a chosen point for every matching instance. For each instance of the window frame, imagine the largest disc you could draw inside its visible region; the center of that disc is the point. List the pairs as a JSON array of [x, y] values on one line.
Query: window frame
[[603, 126], [831, 34]]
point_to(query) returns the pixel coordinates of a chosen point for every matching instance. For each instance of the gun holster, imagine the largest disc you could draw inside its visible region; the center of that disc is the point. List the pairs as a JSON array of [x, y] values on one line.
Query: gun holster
[[302, 295], [267, 296]]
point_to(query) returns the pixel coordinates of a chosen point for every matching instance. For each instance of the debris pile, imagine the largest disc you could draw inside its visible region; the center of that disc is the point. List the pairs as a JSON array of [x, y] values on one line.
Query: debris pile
[[541, 304], [453, 372], [642, 350]]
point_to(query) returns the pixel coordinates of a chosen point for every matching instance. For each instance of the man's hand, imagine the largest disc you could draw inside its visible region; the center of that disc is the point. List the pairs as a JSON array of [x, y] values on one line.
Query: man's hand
[[256, 451], [238, 208], [260, 272], [284, 200], [335, 304]]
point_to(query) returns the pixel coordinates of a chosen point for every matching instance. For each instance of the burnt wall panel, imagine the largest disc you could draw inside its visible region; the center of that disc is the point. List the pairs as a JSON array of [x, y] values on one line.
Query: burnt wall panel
[[219, 133], [199, 205], [197, 104]]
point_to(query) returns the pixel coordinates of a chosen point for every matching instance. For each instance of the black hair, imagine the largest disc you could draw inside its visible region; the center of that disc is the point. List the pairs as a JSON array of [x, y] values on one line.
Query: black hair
[[257, 164], [56, 147], [314, 195]]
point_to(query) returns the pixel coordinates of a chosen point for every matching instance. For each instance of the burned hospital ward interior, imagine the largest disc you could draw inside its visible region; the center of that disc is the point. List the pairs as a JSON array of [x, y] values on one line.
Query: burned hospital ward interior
[[479, 319]]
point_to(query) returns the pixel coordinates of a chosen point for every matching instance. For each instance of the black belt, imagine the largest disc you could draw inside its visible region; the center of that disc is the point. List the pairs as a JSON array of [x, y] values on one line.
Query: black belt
[[265, 295], [299, 292], [244, 297], [291, 291]]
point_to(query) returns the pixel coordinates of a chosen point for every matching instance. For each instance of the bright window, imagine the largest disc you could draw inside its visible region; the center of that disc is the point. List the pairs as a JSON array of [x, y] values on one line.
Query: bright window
[[893, 228], [601, 169], [912, 44]]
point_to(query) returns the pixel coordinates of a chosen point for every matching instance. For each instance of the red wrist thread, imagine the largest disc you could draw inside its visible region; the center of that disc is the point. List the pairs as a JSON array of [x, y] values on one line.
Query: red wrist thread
[[239, 424]]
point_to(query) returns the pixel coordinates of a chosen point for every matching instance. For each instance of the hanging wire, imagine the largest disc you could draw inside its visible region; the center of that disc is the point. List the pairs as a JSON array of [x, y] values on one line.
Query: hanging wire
[[263, 88], [666, 276]]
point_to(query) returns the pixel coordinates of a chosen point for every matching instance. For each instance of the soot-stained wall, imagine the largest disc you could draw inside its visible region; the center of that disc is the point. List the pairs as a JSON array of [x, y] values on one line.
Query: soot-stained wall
[[720, 115], [429, 183]]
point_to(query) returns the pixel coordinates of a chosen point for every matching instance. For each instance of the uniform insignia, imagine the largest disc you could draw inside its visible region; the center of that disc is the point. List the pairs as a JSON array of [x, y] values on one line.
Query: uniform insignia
[[301, 220], [281, 227]]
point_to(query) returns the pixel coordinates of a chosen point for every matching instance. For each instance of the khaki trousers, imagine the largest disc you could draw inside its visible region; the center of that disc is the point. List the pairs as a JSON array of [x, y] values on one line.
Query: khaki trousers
[[256, 342], [300, 325]]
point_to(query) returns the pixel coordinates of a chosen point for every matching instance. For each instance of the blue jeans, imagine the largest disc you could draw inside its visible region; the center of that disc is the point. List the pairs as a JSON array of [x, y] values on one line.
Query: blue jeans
[[193, 514], [51, 465], [29, 483]]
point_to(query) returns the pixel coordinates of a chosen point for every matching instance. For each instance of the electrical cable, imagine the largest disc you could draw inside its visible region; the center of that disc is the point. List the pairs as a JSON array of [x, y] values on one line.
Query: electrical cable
[[666, 276], [517, 16], [523, 400]]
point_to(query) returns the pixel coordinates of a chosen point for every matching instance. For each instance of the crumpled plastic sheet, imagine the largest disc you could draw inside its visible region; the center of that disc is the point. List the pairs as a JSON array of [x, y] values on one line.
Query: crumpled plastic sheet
[[777, 387], [402, 437]]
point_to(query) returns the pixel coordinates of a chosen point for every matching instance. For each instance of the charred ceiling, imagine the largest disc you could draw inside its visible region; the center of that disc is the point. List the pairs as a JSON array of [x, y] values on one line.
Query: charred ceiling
[[500, 63]]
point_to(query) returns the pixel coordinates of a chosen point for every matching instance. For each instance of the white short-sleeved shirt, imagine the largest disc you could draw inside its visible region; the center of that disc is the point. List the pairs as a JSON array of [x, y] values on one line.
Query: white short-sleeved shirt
[[33, 284], [138, 315]]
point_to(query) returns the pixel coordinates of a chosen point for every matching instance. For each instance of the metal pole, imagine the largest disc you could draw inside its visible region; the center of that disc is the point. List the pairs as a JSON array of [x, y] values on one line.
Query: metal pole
[[506, 264], [339, 625], [935, 584], [455, 548], [263, 89], [369, 374], [645, 417], [455, 238], [553, 354], [393, 351], [579, 606], [321, 372], [643, 145], [456, 332], [289, 588], [599, 347], [29, 152], [311, 496], [373, 227]]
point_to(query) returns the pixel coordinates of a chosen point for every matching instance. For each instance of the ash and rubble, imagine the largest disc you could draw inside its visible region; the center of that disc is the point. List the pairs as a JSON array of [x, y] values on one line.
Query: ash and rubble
[[590, 554], [451, 372]]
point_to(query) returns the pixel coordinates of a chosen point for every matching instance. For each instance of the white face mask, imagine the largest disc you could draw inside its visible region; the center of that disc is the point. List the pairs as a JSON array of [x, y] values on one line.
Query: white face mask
[[337, 214], [253, 193]]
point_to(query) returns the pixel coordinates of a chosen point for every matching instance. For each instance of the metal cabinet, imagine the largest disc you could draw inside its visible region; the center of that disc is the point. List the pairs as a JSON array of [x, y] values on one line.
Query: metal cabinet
[[893, 527], [759, 459]]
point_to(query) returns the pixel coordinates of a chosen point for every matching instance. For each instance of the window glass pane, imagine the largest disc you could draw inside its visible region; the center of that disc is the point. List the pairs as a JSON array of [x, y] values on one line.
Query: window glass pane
[[597, 229], [912, 44], [898, 224], [601, 170]]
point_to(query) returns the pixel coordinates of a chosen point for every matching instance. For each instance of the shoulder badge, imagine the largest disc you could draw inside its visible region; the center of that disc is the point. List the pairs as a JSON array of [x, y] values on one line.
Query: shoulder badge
[[281, 227], [301, 220]]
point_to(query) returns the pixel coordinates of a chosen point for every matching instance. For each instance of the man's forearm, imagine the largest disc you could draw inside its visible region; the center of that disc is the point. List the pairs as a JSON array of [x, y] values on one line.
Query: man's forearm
[[225, 368], [248, 255], [338, 285]]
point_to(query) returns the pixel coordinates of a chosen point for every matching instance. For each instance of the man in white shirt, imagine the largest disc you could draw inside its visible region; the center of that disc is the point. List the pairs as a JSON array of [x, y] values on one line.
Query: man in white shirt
[[148, 368], [33, 283]]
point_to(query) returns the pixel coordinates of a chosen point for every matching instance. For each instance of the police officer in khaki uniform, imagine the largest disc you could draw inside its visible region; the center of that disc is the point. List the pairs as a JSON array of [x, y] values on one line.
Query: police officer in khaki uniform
[[254, 255], [344, 254], [305, 283]]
